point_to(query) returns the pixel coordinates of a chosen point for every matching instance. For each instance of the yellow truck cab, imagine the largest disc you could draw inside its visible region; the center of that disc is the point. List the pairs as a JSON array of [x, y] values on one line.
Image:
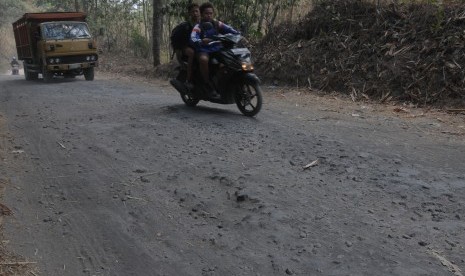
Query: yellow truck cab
[[58, 43]]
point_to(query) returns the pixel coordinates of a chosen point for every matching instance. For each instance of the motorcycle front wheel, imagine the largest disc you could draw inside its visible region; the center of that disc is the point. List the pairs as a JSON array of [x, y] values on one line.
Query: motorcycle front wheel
[[249, 98]]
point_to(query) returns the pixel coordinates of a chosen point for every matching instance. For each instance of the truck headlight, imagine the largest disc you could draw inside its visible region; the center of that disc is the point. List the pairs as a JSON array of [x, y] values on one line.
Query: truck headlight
[[88, 58], [51, 61], [57, 60]]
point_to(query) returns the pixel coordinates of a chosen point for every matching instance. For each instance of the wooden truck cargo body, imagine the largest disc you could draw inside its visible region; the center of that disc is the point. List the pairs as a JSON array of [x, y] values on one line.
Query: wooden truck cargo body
[[57, 43]]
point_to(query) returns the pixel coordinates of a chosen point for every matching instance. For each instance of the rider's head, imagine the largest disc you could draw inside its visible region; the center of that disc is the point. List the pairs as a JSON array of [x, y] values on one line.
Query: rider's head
[[14, 58], [194, 12], [206, 11]]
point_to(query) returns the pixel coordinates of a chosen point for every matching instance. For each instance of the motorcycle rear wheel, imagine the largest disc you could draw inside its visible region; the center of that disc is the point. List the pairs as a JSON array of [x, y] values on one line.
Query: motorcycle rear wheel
[[249, 98], [186, 98]]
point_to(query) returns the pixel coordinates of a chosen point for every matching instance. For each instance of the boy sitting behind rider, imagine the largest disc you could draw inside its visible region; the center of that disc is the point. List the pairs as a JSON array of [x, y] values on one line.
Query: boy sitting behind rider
[[194, 18], [201, 38]]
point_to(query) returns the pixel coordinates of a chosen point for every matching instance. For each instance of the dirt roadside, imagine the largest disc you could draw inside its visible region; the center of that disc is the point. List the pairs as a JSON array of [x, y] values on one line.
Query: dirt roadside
[[10, 263], [382, 193]]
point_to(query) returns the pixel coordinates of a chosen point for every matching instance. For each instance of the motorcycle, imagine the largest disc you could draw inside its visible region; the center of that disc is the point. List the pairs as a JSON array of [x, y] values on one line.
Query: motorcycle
[[15, 69], [231, 75]]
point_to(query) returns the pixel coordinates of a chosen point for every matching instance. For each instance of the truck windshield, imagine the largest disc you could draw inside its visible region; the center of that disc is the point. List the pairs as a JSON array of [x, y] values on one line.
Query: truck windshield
[[65, 30]]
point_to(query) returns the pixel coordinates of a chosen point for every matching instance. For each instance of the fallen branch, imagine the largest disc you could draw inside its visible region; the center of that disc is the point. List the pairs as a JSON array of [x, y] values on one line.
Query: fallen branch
[[450, 266], [312, 164], [456, 110]]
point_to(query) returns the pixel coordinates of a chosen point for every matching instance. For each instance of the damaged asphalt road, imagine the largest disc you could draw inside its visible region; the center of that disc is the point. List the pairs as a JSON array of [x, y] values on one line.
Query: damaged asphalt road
[[115, 177]]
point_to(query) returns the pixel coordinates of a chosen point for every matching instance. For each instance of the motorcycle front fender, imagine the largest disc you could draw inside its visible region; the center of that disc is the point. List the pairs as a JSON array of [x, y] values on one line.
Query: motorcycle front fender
[[251, 78]]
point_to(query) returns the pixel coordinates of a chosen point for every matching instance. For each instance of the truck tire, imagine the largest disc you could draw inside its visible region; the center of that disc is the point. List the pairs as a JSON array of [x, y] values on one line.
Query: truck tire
[[89, 74], [29, 75], [47, 76]]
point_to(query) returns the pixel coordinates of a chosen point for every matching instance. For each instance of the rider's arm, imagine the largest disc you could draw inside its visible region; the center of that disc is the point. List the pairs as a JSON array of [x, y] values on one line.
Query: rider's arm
[[226, 29], [195, 36]]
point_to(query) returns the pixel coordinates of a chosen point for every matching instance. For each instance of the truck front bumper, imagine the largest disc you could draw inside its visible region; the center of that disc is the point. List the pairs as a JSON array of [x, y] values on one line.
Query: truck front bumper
[[70, 67]]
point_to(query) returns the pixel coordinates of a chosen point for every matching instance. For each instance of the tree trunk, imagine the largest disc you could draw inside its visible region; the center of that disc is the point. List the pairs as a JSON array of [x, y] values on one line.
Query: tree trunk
[[263, 12], [252, 15], [157, 31], [291, 12], [146, 19], [85, 6], [273, 18], [76, 5]]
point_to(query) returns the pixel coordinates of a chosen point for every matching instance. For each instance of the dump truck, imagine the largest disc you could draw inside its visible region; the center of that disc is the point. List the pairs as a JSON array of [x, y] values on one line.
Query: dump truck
[[55, 44]]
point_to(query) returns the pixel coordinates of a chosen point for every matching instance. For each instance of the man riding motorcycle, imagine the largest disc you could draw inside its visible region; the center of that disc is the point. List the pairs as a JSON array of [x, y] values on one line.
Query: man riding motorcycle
[[14, 66], [226, 74], [201, 37]]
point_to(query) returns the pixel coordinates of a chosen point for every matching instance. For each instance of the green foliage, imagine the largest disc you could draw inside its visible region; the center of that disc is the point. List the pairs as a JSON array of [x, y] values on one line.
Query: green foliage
[[140, 44], [176, 8], [238, 13], [10, 10], [128, 23], [440, 15], [56, 5]]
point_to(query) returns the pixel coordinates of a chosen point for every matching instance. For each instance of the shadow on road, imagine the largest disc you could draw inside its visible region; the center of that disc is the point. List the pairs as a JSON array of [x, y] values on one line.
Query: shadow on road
[[222, 111]]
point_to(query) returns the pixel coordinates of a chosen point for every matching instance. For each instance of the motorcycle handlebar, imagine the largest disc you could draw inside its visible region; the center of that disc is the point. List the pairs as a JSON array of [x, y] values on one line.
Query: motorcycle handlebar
[[214, 42], [228, 38]]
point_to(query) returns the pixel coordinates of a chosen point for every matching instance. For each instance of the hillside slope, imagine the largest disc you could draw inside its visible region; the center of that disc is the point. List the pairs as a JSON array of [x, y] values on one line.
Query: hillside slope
[[412, 53]]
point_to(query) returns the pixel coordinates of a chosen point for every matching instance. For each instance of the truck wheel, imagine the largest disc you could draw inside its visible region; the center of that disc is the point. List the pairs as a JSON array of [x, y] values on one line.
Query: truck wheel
[[89, 74], [34, 75], [47, 76], [30, 75]]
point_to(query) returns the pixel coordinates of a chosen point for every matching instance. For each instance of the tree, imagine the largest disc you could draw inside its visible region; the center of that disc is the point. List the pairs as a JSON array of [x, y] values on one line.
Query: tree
[[157, 31], [10, 11], [142, 27]]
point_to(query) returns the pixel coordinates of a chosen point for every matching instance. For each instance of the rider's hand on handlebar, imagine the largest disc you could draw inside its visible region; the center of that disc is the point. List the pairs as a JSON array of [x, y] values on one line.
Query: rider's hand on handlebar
[[205, 41]]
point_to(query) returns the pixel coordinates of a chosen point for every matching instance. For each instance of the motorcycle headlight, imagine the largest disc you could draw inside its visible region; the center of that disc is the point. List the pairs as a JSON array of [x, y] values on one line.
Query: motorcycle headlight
[[247, 66]]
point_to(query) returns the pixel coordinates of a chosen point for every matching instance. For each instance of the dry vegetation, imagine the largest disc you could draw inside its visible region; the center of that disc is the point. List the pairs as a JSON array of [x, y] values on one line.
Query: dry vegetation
[[411, 52], [7, 47], [8, 15]]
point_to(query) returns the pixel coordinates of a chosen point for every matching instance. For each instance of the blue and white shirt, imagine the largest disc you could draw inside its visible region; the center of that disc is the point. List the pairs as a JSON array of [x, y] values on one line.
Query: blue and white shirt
[[197, 36]]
